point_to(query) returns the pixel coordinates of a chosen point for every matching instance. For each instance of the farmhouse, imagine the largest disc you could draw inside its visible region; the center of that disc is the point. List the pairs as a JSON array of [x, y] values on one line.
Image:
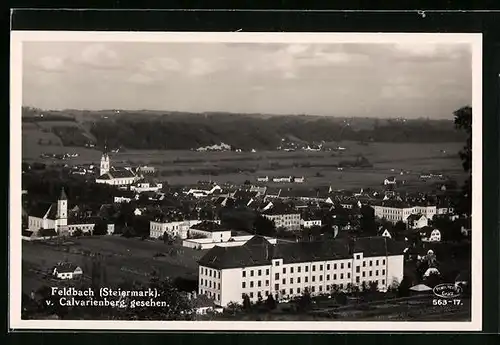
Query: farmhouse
[[285, 270], [263, 179], [391, 180], [66, 270]]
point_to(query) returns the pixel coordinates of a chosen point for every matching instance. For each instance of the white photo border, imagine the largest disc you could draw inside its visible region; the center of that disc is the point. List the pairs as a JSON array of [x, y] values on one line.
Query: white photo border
[[14, 269]]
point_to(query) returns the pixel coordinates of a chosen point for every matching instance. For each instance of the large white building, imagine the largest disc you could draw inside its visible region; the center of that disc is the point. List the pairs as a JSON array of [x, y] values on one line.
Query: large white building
[[178, 228], [286, 270], [396, 211]]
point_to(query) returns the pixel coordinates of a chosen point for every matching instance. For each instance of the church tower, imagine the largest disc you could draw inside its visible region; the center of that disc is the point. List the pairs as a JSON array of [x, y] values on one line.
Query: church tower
[[62, 210], [104, 162]]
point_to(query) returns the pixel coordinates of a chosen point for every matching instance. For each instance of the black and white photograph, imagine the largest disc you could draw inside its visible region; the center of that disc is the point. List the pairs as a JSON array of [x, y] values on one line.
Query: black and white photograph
[[245, 181]]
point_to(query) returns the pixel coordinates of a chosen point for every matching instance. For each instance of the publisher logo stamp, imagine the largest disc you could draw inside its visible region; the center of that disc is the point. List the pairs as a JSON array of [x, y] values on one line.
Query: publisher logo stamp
[[447, 290]]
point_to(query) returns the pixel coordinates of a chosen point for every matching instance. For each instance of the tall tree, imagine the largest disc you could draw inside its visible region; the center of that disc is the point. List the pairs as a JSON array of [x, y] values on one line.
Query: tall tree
[[463, 121], [368, 224]]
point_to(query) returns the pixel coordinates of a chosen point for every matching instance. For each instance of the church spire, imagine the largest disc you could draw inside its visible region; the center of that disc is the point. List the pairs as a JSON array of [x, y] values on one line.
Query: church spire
[[63, 195]]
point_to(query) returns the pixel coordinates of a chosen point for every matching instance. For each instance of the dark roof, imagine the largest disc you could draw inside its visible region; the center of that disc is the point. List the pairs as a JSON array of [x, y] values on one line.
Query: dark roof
[[66, 267], [41, 209], [395, 204], [258, 251], [207, 226], [414, 217], [241, 194], [377, 246], [27, 233]]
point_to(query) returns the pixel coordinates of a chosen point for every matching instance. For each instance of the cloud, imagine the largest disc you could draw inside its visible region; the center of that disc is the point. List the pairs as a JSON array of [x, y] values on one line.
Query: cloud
[[289, 60], [429, 51], [141, 79], [51, 64], [201, 67], [160, 65], [99, 56]]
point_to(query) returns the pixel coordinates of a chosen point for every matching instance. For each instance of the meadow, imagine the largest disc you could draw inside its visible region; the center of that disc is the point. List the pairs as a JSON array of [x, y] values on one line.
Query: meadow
[[125, 259], [180, 167]]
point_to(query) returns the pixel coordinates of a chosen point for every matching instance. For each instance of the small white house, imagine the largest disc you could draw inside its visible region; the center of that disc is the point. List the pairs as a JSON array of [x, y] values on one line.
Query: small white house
[[429, 234], [417, 221], [263, 179], [67, 270], [391, 180]]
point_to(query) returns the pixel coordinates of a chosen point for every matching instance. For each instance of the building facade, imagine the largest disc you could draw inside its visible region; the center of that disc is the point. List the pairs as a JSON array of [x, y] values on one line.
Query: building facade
[[258, 269], [288, 220], [395, 211]]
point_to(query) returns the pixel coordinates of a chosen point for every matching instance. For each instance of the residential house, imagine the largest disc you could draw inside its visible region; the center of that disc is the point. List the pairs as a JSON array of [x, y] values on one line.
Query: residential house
[[66, 270], [417, 221], [263, 179], [391, 180], [429, 234]]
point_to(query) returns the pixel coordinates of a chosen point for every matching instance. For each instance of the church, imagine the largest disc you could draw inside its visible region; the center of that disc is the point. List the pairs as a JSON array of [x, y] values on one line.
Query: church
[[114, 176], [52, 218]]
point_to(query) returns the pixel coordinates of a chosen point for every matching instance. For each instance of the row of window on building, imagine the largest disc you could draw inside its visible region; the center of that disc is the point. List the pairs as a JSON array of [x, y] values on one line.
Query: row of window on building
[[298, 290], [211, 272], [313, 278], [313, 268]]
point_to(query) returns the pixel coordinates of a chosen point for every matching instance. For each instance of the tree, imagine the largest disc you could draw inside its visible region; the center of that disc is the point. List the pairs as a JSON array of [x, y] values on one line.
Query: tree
[[167, 239], [270, 302], [305, 300], [463, 121], [404, 287], [129, 232], [399, 227], [100, 228], [263, 226], [247, 304], [368, 225], [364, 287], [373, 286]]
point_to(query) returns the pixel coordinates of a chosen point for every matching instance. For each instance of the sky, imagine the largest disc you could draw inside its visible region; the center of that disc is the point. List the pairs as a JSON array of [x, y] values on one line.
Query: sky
[[349, 79]]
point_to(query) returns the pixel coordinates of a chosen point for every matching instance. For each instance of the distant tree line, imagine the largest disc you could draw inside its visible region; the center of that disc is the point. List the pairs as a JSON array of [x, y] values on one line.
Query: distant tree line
[[247, 132]]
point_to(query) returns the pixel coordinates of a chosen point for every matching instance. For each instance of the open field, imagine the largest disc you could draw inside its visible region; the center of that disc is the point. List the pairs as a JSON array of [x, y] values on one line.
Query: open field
[[319, 168], [124, 259]]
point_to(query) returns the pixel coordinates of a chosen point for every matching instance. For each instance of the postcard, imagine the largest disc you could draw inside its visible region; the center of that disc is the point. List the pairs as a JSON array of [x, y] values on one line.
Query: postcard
[[204, 181]]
